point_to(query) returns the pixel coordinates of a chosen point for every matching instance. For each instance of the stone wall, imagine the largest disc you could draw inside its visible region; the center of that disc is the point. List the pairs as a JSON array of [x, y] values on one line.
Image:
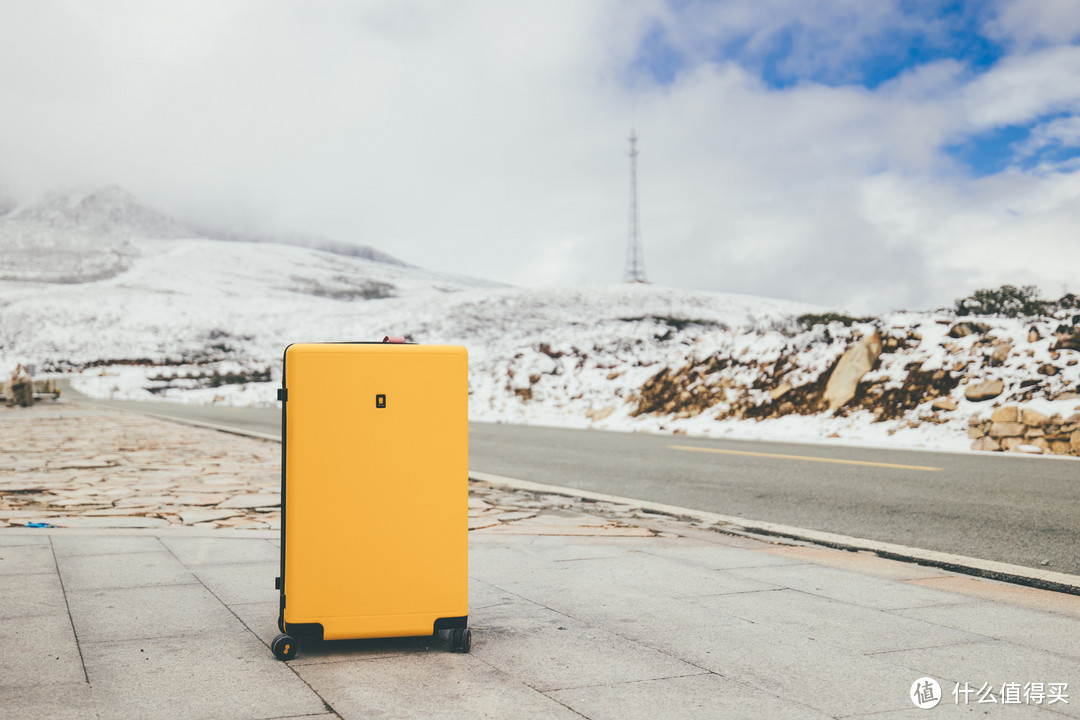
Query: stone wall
[[1012, 428]]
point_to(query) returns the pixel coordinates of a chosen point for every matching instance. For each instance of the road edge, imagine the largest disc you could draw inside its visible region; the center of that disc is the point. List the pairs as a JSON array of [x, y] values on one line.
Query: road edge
[[989, 569]]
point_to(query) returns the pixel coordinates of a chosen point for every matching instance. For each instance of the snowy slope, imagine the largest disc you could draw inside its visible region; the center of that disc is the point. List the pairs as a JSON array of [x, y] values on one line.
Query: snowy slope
[[205, 321], [181, 298]]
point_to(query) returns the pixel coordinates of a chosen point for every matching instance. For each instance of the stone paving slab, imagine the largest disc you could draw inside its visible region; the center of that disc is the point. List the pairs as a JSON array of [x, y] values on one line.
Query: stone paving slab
[[55, 701], [65, 546], [432, 685], [147, 612], [705, 696], [121, 570], [1021, 626], [993, 663], [513, 635], [202, 675], [845, 586], [28, 560], [31, 595], [843, 624], [40, 650]]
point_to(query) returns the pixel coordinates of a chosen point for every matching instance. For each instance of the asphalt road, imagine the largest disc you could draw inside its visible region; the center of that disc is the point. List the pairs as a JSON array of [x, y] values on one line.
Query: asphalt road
[[1015, 509]]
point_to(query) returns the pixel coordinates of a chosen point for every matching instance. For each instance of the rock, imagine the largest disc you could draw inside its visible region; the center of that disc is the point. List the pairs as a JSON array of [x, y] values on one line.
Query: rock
[[1074, 442], [1011, 444], [252, 500], [1048, 370], [19, 389], [1034, 419], [600, 414], [1033, 335], [1000, 354], [200, 515], [1066, 338], [1060, 447], [1068, 395], [963, 329], [986, 444], [1007, 429], [854, 363], [780, 391], [1006, 413], [200, 499], [1042, 444], [1034, 433], [976, 431], [944, 403], [984, 391]]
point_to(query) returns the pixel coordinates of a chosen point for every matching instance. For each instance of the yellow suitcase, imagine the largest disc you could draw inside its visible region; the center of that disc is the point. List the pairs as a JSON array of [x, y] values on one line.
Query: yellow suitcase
[[374, 493]]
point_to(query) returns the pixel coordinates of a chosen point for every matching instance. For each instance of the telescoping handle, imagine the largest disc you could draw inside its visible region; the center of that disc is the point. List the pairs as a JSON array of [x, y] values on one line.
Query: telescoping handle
[[393, 339]]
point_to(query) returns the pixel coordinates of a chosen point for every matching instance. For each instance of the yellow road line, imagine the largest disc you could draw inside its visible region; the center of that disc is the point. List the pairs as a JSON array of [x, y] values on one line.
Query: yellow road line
[[803, 457]]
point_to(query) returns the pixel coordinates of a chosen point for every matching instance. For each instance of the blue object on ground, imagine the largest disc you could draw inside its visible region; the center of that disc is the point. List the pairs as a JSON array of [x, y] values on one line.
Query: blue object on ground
[[39, 525]]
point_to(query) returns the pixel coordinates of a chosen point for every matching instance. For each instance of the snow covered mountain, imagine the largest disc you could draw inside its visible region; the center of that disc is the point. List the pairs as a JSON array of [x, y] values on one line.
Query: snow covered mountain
[[205, 321]]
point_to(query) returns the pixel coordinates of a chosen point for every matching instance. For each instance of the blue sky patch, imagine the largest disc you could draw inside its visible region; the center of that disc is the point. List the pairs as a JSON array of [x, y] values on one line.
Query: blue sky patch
[[993, 151], [922, 32], [989, 152]]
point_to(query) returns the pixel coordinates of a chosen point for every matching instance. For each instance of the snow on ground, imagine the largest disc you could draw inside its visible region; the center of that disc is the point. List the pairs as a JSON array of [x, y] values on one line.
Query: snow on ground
[[205, 321]]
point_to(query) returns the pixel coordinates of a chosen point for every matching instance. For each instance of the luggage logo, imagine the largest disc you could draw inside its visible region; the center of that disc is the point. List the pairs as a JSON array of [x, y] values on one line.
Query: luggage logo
[[380, 401]]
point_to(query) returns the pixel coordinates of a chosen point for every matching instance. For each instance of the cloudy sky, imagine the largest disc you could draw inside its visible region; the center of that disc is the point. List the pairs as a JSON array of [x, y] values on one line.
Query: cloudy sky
[[864, 155]]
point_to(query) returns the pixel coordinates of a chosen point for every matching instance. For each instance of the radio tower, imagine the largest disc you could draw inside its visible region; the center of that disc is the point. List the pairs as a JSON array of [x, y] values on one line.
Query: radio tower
[[635, 255]]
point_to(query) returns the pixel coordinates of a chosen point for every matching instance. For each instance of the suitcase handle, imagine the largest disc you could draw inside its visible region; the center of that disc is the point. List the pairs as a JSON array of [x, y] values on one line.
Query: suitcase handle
[[393, 339]]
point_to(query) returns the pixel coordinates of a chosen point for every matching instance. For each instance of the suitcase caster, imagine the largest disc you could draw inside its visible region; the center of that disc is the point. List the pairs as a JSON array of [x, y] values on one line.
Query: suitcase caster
[[460, 640], [283, 647]]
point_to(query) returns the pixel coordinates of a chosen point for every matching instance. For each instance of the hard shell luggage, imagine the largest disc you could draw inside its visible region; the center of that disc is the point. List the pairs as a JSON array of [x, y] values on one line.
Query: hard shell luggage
[[374, 493]]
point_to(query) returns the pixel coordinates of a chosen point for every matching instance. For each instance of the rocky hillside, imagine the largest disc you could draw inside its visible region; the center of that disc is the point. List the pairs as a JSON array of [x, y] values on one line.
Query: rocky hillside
[[903, 371]]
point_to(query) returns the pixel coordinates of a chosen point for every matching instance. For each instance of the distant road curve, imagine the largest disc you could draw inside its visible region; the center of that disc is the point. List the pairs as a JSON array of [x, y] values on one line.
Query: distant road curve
[[1014, 509]]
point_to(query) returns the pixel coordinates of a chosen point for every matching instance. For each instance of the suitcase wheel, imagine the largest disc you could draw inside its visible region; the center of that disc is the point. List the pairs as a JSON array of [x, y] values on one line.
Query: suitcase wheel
[[283, 647], [460, 640]]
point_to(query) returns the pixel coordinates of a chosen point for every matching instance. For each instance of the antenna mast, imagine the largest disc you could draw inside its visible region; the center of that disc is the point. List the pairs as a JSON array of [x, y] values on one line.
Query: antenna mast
[[635, 255]]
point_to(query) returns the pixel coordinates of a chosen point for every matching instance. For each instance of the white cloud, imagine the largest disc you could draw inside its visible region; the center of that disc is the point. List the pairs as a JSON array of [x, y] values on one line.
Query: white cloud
[[1028, 23], [488, 138], [1020, 89]]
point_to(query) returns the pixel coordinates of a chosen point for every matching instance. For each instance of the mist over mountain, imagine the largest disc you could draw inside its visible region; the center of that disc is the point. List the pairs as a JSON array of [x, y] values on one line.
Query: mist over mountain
[[83, 236], [314, 242]]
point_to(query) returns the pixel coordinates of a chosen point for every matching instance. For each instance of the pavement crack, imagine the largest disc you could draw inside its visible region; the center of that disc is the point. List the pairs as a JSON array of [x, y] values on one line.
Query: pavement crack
[[67, 605]]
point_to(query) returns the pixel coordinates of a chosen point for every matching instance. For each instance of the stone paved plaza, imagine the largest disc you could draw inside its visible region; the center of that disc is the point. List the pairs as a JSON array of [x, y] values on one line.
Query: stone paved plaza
[[578, 608], [73, 466]]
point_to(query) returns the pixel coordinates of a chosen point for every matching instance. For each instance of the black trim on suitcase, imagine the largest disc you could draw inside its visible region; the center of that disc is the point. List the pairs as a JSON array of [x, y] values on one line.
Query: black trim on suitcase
[[279, 582], [448, 623], [305, 631]]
